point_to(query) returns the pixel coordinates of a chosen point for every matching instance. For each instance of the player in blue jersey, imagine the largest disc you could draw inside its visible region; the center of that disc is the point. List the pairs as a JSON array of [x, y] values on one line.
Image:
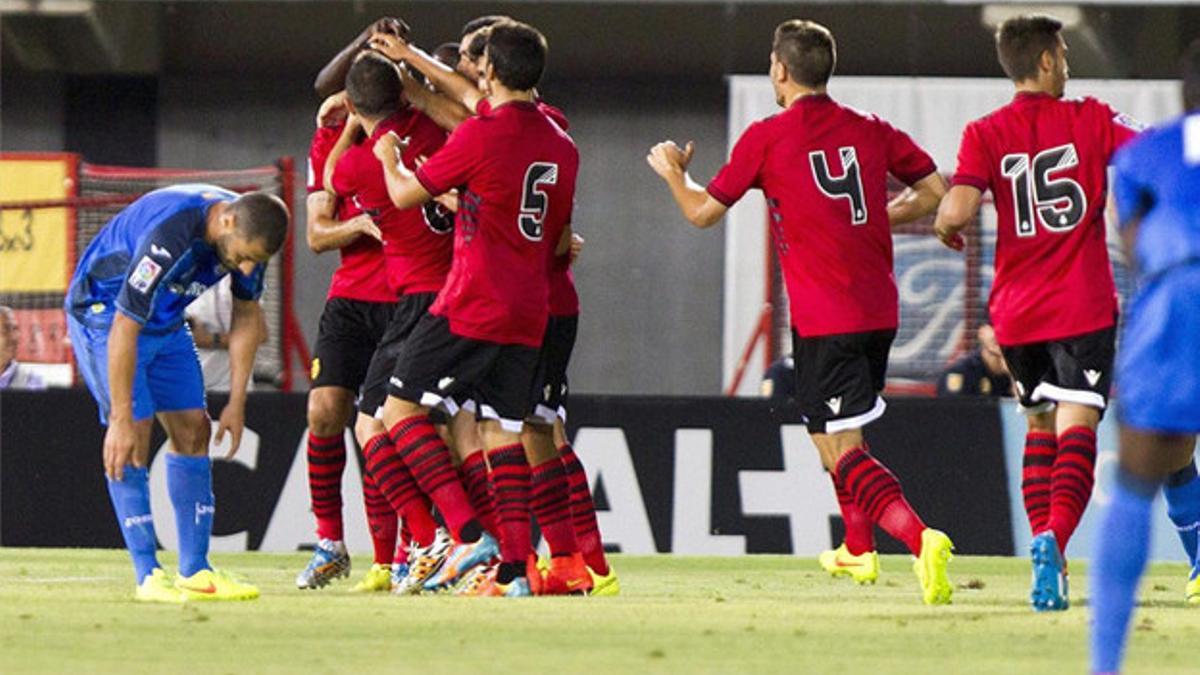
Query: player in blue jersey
[[1157, 188], [125, 317]]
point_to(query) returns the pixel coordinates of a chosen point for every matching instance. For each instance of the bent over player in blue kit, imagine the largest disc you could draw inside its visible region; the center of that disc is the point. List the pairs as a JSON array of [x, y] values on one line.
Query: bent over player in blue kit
[[125, 317], [1157, 188]]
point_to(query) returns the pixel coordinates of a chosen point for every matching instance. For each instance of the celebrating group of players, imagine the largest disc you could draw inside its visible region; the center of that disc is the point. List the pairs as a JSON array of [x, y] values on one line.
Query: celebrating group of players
[[461, 382], [823, 168]]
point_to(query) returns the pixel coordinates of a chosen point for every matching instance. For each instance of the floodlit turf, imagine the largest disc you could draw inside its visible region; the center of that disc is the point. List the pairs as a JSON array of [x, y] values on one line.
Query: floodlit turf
[[70, 611]]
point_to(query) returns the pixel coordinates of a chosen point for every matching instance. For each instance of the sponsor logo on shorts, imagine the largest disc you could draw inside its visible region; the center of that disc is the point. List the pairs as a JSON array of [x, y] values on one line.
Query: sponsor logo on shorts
[[316, 369], [397, 382], [445, 382], [144, 274], [835, 404], [1093, 376], [138, 521]]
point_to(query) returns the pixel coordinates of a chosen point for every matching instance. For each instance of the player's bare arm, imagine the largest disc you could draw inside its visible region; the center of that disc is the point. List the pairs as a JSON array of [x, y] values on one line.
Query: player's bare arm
[[349, 133], [326, 233], [444, 111], [245, 335], [333, 75], [403, 187], [443, 78], [957, 210], [120, 439], [670, 162], [917, 201], [576, 247]]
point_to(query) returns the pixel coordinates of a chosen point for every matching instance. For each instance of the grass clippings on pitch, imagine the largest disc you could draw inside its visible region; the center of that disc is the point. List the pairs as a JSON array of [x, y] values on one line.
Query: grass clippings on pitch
[[70, 611]]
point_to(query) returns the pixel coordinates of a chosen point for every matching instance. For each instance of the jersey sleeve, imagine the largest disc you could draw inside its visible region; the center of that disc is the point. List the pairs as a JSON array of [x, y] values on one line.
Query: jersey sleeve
[[742, 171], [906, 160], [323, 140], [159, 249], [1119, 127], [1133, 193], [248, 286], [455, 162], [973, 169]]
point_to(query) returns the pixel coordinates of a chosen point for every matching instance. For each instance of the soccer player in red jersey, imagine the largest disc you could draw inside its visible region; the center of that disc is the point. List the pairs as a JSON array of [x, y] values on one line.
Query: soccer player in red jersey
[[417, 248], [482, 337], [357, 311], [823, 168], [1053, 301], [562, 500]]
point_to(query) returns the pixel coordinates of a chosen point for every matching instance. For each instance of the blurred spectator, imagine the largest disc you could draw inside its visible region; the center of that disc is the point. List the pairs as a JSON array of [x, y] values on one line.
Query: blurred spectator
[[779, 382], [210, 317], [14, 375], [980, 373]]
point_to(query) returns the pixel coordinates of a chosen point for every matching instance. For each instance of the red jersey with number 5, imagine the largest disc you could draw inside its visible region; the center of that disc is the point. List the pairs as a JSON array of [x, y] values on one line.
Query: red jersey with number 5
[[361, 275], [519, 170], [1045, 160], [823, 168]]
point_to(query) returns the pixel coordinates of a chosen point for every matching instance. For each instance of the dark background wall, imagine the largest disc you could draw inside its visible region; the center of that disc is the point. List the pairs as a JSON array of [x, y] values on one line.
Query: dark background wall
[[228, 84]]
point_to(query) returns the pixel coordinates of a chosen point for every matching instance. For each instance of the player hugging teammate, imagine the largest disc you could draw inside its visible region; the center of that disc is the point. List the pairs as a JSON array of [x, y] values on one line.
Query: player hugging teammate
[[463, 391]]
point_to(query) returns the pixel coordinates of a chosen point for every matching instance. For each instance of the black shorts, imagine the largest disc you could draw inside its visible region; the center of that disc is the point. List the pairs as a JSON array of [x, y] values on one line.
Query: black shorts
[[553, 360], [1071, 370], [346, 340], [436, 367], [839, 377], [407, 314]]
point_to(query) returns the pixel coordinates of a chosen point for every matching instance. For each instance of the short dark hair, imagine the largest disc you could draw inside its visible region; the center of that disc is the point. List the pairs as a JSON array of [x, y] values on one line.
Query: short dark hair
[[517, 51], [373, 85], [807, 49], [1021, 41], [261, 216], [477, 45], [481, 22], [447, 53], [1191, 76]]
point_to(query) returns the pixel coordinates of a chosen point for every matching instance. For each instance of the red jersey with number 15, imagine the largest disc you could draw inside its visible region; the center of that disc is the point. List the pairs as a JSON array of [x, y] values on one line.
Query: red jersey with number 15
[[361, 275], [823, 168], [1045, 160], [519, 169]]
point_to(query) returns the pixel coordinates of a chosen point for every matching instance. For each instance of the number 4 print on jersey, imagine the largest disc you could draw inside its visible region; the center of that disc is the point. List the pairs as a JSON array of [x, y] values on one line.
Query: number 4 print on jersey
[[848, 186]]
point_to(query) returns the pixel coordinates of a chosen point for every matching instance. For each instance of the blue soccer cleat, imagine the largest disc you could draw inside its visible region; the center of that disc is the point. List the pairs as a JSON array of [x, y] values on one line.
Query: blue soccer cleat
[[462, 558], [329, 561], [1049, 590]]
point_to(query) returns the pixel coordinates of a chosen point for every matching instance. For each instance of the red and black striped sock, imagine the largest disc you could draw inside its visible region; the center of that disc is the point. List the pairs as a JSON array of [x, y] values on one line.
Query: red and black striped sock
[[428, 458], [474, 474], [583, 511], [877, 492], [510, 486], [860, 531], [381, 520], [551, 505], [402, 542], [1037, 467], [398, 487], [1071, 486], [326, 461]]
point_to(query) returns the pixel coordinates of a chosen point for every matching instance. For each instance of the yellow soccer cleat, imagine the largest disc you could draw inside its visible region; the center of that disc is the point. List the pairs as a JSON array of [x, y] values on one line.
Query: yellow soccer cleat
[[378, 578], [158, 588], [930, 567], [605, 586], [863, 568], [214, 585], [1192, 590]]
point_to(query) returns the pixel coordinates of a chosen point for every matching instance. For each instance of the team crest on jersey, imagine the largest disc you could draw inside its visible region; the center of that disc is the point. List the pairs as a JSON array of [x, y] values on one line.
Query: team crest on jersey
[[1129, 122], [144, 274]]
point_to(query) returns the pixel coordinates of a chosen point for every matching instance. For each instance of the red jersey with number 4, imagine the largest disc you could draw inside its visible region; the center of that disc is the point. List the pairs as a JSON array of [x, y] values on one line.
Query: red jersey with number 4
[[823, 168], [519, 170], [1045, 161], [564, 299], [361, 274], [417, 242]]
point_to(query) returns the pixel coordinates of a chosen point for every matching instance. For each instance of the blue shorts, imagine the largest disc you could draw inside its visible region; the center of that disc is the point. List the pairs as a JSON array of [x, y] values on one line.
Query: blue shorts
[[1158, 363], [167, 377]]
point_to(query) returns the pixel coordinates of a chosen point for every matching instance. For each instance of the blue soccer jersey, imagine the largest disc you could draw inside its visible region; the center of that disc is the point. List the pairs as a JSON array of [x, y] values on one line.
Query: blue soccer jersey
[[150, 261], [1157, 185]]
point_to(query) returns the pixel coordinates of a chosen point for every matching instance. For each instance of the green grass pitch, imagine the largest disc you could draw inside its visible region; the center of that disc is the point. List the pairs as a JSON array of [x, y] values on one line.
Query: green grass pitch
[[70, 611]]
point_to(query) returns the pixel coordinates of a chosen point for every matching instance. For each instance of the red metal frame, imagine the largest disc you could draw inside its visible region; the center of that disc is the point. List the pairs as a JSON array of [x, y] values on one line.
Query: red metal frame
[[293, 336]]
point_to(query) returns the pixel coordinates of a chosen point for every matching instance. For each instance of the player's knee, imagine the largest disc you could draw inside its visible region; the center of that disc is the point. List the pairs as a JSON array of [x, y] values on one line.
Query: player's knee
[[366, 428], [1041, 422], [327, 411], [190, 437]]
